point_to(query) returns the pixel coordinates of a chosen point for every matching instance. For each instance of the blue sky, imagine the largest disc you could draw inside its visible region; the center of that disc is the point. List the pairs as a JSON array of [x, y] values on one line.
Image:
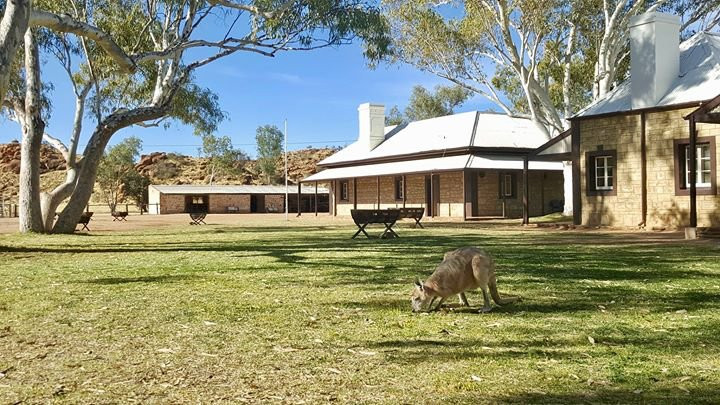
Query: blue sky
[[318, 92]]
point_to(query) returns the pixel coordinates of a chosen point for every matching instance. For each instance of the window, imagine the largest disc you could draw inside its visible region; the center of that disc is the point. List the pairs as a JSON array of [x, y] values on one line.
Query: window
[[604, 172], [399, 188], [704, 164], [198, 200], [600, 168], [344, 193], [507, 186]]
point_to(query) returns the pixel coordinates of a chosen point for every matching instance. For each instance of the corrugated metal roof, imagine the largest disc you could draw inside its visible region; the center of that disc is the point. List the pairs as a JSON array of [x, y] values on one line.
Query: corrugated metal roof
[[234, 189], [449, 132], [458, 162], [699, 79]]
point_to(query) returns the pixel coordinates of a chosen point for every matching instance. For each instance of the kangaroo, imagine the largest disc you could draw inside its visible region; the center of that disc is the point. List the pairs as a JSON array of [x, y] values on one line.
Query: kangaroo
[[461, 270]]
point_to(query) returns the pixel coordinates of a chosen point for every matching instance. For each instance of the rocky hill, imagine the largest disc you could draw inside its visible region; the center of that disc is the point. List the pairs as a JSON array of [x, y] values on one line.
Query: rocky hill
[[159, 167]]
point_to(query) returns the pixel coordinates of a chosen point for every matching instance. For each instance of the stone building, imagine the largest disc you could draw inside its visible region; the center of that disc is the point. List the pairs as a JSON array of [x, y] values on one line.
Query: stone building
[[219, 199], [464, 166], [632, 151]]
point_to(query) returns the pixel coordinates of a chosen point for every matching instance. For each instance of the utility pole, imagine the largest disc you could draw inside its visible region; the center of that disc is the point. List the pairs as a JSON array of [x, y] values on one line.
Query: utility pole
[[287, 208]]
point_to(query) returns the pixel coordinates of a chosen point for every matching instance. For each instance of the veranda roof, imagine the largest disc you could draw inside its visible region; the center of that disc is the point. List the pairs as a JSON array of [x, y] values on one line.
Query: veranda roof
[[440, 164], [234, 189]]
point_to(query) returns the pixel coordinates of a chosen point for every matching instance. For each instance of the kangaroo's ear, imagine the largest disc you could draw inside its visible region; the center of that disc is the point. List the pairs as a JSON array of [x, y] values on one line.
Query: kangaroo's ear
[[419, 283]]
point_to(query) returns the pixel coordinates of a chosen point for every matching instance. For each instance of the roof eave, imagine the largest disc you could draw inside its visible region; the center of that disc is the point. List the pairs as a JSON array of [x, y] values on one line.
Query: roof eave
[[430, 154], [675, 106]]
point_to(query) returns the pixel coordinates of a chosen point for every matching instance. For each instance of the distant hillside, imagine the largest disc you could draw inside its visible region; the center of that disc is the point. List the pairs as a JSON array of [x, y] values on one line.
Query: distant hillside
[[159, 167]]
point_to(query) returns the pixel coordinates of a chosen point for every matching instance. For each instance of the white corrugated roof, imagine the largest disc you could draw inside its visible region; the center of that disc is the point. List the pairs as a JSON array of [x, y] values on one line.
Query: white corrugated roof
[[234, 189], [699, 79], [502, 131], [458, 162], [449, 132]]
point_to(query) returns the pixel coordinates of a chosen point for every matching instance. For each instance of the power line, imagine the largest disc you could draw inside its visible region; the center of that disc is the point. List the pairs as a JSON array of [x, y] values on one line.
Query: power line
[[248, 144]]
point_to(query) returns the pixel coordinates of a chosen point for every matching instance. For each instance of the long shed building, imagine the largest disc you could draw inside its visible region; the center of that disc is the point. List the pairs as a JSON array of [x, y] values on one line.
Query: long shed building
[[220, 199]]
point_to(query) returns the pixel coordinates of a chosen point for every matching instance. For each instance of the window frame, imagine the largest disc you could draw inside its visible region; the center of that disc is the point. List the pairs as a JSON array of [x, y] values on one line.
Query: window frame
[[680, 169], [607, 175], [591, 173], [501, 185], [344, 190], [399, 183]]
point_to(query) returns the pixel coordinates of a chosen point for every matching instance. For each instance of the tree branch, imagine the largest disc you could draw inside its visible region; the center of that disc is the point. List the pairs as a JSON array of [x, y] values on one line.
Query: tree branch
[[65, 23]]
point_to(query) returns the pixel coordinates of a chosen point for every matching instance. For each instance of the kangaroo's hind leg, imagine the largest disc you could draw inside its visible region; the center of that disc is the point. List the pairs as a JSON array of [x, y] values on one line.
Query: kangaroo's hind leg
[[463, 299]]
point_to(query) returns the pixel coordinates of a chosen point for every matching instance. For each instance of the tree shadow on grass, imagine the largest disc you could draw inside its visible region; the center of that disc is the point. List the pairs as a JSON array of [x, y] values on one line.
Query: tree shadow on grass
[[414, 351], [707, 394], [166, 278], [546, 341]]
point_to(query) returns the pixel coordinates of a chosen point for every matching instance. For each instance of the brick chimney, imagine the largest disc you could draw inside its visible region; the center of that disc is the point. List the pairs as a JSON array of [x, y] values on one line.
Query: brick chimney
[[371, 119], [654, 57]]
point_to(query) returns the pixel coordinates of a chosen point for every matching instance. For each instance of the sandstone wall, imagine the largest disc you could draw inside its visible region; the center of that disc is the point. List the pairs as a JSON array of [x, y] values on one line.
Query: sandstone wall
[[665, 209]]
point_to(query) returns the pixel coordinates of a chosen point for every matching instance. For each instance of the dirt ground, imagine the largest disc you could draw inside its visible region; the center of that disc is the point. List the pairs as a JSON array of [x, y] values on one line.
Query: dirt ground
[[103, 223]]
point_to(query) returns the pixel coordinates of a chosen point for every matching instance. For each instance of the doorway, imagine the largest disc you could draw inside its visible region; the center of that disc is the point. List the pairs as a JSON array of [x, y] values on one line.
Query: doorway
[[257, 203], [197, 203], [432, 195]]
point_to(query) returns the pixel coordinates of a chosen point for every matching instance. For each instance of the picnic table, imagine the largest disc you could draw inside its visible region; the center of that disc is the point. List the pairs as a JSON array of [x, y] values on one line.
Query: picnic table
[[198, 218], [412, 213], [85, 220], [363, 218], [119, 216]]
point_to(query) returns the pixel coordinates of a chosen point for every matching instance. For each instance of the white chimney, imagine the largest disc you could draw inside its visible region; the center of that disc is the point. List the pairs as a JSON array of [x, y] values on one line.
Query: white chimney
[[654, 57], [371, 118]]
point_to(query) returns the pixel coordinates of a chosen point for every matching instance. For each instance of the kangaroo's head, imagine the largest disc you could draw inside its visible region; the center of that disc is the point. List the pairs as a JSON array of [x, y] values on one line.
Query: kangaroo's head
[[420, 297]]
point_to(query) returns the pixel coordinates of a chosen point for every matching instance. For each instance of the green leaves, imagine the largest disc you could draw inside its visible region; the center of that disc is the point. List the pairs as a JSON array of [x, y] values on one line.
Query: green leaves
[[425, 104], [269, 141], [222, 157], [117, 168]]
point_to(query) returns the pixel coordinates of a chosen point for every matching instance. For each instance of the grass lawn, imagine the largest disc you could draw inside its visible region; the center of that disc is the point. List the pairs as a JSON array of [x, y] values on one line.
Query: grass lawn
[[303, 314]]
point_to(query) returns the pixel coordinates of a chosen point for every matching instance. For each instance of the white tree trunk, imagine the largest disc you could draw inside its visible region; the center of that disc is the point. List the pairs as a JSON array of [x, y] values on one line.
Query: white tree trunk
[[12, 28], [68, 218], [33, 128], [49, 202], [568, 188]]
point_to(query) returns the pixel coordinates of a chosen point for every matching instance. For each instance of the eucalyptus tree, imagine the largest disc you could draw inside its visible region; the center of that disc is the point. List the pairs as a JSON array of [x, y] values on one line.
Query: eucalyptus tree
[[269, 140], [132, 63], [117, 168], [424, 104], [222, 157]]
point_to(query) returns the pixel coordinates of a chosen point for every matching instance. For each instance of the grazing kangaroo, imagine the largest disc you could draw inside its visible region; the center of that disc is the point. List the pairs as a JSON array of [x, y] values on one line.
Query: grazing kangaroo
[[461, 270]]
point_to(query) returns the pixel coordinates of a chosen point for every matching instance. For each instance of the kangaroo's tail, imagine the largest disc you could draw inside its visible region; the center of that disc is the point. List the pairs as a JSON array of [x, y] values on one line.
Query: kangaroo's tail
[[496, 295]]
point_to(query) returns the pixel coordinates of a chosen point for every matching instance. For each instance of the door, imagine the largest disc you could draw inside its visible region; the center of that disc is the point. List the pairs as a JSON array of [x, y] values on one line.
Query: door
[[432, 195], [428, 197], [436, 194], [471, 193]]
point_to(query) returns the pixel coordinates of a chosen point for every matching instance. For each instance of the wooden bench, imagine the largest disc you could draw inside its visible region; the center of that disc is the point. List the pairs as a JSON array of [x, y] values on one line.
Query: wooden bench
[[198, 218], [413, 213], [119, 216], [363, 218], [85, 220]]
